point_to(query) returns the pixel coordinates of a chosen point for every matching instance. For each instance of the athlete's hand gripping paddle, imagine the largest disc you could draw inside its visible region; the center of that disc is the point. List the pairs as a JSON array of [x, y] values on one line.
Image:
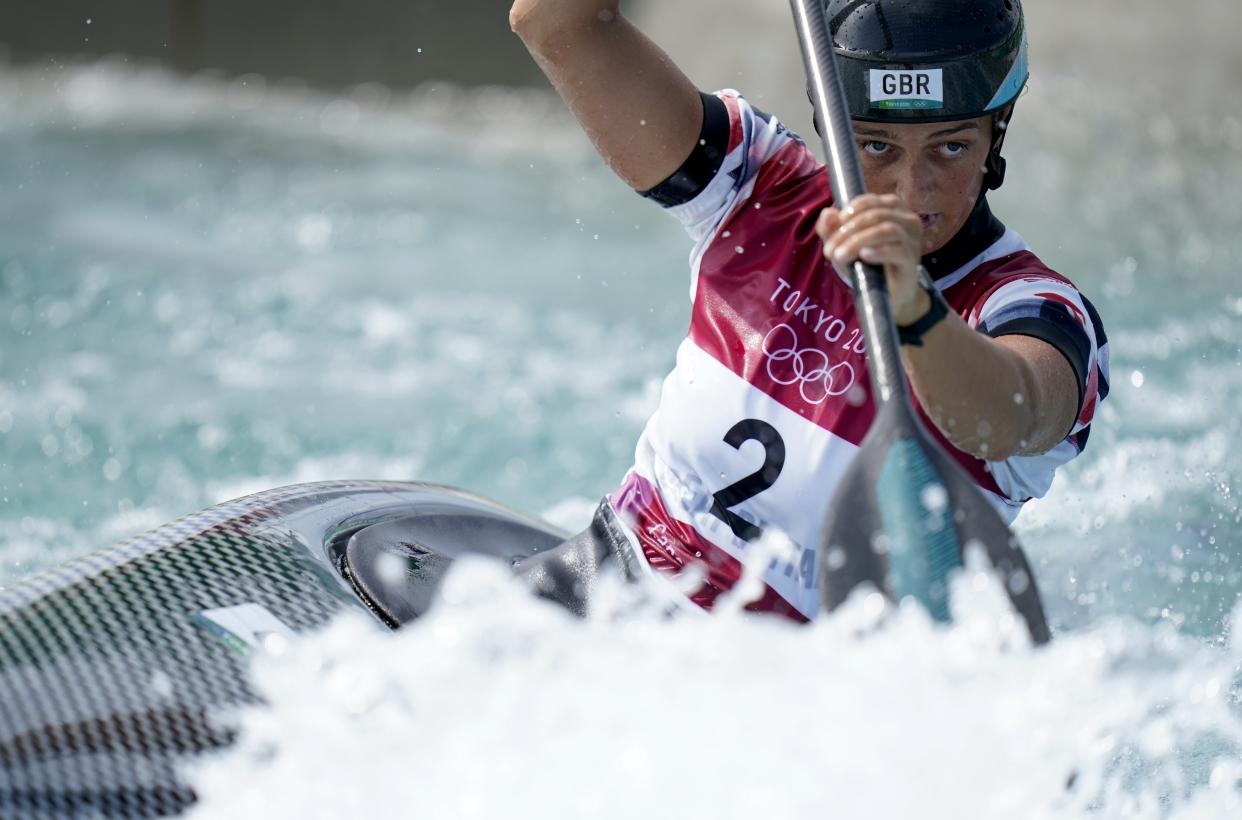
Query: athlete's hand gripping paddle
[[905, 509]]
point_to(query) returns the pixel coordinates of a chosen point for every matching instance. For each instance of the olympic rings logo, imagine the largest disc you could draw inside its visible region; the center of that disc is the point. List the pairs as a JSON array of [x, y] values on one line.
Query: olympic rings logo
[[809, 368]]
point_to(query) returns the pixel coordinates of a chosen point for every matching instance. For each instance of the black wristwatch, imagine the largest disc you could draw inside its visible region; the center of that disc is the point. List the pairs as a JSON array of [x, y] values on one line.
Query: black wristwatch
[[912, 334]]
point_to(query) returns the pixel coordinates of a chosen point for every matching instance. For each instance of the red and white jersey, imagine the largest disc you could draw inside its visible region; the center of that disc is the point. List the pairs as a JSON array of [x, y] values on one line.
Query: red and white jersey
[[770, 397]]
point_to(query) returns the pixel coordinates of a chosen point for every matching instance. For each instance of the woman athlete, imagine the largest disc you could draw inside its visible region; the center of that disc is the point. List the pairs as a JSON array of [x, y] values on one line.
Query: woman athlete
[[769, 397]]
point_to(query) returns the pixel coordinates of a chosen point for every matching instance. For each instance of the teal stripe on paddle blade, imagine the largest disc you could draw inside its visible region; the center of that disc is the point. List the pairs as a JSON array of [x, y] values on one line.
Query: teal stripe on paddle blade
[[918, 524]]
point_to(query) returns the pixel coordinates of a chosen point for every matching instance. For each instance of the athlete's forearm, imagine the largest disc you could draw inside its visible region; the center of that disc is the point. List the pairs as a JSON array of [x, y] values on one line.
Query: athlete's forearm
[[993, 398], [641, 112]]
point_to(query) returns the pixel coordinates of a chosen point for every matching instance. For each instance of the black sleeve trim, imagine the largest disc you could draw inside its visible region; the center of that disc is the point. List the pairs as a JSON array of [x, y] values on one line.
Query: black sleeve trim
[[1101, 339], [704, 162], [1055, 326]]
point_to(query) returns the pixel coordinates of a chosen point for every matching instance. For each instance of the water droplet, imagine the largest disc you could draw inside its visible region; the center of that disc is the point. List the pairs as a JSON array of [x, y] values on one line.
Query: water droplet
[[934, 497], [1018, 582], [112, 469], [161, 685]]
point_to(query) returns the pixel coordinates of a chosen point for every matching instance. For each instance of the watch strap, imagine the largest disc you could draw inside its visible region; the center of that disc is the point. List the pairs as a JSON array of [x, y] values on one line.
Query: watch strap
[[912, 334]]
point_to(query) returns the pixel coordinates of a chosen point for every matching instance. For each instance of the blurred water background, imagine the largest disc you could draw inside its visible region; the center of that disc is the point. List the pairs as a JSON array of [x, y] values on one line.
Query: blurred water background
[[215, 283]]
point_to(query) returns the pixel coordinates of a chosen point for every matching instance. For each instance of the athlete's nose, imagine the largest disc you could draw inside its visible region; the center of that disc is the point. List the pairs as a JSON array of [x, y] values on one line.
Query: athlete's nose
[[915, 183]]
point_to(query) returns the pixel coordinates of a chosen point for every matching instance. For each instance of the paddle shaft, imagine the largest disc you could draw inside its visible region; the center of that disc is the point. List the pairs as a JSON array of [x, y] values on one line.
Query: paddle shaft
[[888, 381], [885, 491]]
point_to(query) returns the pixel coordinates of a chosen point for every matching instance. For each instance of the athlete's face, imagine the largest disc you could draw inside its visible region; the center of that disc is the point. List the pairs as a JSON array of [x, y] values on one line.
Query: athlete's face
[[936, 168]]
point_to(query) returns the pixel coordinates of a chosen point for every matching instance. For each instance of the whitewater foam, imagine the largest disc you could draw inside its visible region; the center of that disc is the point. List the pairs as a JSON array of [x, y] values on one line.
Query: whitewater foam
[[500, 705]]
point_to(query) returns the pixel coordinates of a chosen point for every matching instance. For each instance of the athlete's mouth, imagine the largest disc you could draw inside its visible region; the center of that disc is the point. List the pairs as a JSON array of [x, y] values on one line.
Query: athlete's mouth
[[928, 219]]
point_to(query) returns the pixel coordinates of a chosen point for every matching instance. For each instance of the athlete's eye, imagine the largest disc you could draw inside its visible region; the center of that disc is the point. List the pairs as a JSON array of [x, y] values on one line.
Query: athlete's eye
[[953, 149], [875, 148]]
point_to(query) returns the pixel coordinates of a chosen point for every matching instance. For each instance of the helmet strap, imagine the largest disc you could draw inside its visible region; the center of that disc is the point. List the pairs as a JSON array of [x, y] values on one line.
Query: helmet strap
[[994, 167]]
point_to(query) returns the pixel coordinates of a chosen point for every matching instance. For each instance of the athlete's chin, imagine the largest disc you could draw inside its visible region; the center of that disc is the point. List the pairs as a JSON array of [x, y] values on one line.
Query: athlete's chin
[[936, 232]]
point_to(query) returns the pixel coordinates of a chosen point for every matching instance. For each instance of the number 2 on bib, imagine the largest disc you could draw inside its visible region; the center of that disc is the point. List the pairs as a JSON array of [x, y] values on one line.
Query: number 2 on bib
[[753, 484]]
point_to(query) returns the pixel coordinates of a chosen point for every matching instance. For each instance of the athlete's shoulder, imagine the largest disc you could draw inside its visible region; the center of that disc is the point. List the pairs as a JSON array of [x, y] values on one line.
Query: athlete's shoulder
[[773, 151], [737, 145], [1008, 271], [1008, 259], [743, 117]]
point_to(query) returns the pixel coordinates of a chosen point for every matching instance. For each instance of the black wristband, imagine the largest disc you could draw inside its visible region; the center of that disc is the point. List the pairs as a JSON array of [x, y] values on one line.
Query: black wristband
[[912, 334]]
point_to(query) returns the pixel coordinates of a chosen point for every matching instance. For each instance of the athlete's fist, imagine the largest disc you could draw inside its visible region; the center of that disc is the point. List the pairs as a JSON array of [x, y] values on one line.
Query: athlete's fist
[[880, 230]]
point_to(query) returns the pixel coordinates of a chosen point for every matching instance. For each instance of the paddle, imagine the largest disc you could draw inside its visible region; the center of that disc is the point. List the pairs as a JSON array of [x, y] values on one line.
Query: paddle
[[905, 509]]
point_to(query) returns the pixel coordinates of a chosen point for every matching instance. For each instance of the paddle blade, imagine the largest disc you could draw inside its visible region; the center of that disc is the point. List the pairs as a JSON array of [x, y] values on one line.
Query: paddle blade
[[901, 518]]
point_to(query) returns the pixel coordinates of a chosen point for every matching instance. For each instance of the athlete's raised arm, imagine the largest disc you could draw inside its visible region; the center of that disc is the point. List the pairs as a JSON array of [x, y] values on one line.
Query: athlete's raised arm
[[643, 114]]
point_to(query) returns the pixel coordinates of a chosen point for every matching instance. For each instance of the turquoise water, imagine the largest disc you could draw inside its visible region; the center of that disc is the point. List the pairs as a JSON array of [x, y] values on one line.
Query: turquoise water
[[209, 287], [207, 293]]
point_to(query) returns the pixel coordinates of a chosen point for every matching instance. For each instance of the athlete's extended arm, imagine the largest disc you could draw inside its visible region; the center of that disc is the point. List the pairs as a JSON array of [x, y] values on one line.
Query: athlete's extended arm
[[993, 398], [643, 114]]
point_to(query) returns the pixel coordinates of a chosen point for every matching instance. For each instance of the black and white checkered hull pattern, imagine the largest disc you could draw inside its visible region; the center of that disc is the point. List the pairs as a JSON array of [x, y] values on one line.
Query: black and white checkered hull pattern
[[115, 667]]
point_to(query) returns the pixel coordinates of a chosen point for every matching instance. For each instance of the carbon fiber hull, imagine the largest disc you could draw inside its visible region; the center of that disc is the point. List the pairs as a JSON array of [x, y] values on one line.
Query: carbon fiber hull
[[115, 667]]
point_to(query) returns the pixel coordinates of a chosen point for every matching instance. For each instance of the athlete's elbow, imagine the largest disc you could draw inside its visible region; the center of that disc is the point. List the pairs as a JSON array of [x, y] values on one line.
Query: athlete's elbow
[[519, 20], [995, 439], [1027, 435], [526, 22], [989, 448], [997, 450], [1041, 418], [538, 24]]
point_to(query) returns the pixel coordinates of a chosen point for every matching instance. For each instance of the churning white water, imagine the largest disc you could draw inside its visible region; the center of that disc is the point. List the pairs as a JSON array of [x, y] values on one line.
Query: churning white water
[[498, 705]]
